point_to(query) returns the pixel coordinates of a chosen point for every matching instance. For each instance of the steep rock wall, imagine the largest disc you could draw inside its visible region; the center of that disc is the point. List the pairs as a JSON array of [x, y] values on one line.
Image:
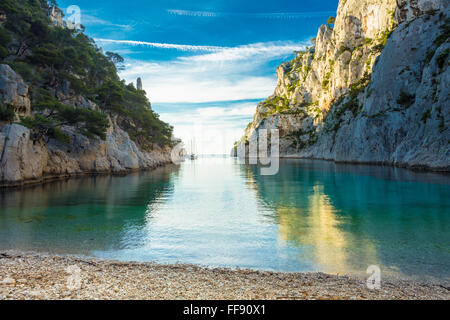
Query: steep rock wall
[[23, 160], [14, 91], [373, 89]]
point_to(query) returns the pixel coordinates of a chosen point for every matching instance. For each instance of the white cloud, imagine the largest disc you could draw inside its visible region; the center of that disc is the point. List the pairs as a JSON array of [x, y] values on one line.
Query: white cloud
[[221, 74], [180, 47], [91, 20], [226, 74], [214, 129], [192, 13], [217, 53], [265, 50], [180, 81], [213, 115], [269, 15]]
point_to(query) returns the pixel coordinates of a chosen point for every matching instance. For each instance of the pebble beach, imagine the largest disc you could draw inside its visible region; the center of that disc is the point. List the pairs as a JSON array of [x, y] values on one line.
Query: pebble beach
[[32, 276]]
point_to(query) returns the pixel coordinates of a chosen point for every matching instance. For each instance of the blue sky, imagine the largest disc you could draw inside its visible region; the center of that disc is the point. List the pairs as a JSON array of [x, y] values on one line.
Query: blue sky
[[205, 64]]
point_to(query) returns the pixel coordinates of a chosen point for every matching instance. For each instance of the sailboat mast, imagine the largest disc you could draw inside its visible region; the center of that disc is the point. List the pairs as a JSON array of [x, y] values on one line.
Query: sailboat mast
[[195, 147]]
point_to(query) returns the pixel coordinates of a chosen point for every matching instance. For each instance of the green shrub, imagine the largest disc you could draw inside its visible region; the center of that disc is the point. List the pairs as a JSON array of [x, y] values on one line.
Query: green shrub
[[378, 48], [429, 55], [443, 37], [442, 58], [277, 105], [445, 34], [325, 83], [77, 85], [90, 123], [5, 38], [385, 36], [23, 69], [405, 99], [297, 138], [51, 56], [331, 20], [6, 112], [41, 126], [359, 86], [342, 49], [351, 105], [3, 52], [441, 125], [426, 115]]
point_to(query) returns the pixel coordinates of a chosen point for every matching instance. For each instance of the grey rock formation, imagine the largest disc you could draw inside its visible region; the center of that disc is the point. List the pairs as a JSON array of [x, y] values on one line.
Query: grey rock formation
[[56, 16], [23, 160], [14, 91], [408, 10], [140, 87], [375, 89]]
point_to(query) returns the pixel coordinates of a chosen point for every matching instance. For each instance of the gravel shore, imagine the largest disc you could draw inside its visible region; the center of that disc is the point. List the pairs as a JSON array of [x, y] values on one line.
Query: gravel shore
[[38, 276]]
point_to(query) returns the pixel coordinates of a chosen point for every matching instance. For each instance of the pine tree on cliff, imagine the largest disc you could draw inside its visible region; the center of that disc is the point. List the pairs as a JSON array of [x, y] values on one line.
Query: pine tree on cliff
[[61, 65]]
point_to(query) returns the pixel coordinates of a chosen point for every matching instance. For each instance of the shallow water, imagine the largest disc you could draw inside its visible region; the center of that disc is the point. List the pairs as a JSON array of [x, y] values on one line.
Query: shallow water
[[311, 216]]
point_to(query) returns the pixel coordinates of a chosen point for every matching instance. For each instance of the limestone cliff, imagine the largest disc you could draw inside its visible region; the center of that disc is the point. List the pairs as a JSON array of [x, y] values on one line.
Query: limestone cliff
[[24, 160], [63, 108], [373, 89], [14, 91]]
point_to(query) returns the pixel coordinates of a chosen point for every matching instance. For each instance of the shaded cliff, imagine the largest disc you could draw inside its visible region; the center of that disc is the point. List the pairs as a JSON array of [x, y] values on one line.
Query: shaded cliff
[[373, 89], [63, 108]]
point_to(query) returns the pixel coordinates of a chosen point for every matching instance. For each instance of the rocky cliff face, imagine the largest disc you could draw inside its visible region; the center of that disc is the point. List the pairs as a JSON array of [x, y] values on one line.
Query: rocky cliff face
[[373, 89], [57, 17], [14, 91], [23, 160]]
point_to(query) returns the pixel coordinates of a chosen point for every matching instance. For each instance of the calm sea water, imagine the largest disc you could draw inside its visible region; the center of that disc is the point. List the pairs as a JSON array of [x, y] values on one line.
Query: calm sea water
[[312, 216]]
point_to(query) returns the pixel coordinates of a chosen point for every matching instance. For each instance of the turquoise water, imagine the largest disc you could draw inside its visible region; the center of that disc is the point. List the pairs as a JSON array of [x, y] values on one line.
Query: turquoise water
[[312, 216]]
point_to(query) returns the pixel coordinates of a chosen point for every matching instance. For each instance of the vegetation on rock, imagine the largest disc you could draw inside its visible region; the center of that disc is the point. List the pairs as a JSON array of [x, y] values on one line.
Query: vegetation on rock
[[6, 112], [405, 99], [60, 65]]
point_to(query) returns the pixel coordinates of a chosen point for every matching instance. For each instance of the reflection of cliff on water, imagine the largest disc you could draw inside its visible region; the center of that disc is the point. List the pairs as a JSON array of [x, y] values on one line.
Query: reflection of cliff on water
[[356, 216], [90, 213]]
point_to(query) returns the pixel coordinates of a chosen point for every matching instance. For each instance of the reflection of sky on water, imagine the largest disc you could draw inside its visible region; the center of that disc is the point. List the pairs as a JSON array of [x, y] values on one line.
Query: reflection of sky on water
[[312, 216]]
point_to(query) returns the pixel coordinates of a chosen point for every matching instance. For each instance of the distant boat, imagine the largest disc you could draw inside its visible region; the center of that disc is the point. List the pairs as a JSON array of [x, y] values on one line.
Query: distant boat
[[193, 152]]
